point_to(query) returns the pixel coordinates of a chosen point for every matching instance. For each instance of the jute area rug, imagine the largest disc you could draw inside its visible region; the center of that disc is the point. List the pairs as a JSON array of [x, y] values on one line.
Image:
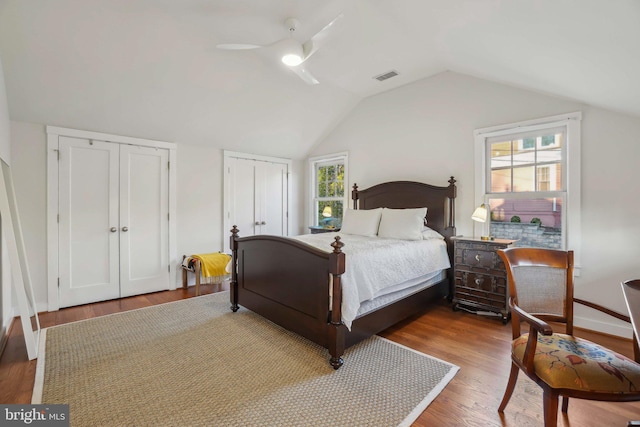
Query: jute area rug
[[195, 363]]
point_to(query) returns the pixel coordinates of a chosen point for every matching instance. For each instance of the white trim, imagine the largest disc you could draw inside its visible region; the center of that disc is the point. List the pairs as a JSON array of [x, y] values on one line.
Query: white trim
[[571, 121], [527, 125], [52, 222], [239, 155], [226, 198], [174, 261], [312, 161], [53, 133], [54, 130]]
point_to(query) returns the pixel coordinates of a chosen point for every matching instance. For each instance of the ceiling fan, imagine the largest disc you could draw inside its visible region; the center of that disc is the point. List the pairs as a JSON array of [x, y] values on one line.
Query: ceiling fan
[[292, 52]]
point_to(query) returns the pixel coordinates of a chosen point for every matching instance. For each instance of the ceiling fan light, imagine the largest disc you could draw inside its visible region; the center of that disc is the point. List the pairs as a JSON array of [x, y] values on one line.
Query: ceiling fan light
[[292, 59], [291, 51]]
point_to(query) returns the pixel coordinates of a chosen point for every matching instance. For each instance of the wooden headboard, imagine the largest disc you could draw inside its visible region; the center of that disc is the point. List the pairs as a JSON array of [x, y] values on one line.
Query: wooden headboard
[[439, 201]]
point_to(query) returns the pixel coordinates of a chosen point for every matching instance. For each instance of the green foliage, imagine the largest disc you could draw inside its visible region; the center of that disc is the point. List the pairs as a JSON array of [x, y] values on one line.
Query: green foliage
[[515, 218], [536, 221], [330, 180]]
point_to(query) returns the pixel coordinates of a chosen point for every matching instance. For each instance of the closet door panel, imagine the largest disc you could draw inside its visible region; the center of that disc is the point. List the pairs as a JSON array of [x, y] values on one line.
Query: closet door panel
[[88, 200], [144, 222], [243, 211], [273, 197]]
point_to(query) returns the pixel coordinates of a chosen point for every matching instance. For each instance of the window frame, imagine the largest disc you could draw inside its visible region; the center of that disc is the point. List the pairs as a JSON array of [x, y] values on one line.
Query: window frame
[[314, 162], [571, 215]]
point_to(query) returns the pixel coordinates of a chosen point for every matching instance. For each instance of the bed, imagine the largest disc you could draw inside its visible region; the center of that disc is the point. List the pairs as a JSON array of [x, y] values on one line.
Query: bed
[[299, 286]]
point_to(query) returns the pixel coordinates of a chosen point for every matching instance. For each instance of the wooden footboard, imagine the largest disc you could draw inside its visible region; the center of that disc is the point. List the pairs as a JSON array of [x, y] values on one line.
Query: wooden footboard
[[287, 282]]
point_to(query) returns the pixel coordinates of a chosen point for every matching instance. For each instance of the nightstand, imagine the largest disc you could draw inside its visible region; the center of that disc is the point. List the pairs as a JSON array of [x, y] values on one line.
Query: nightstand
[[480, 278], [317, 229]]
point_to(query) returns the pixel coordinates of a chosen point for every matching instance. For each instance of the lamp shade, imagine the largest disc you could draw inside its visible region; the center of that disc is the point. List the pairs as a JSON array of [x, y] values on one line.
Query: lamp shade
[[480, 214], [326, 212]]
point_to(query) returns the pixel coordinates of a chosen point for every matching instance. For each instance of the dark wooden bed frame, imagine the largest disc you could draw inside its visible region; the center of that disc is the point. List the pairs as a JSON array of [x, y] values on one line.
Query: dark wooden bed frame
[[286, 281]]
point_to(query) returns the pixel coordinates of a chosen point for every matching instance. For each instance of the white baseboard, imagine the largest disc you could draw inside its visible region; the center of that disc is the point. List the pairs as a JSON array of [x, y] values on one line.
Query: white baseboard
[[603, 327]]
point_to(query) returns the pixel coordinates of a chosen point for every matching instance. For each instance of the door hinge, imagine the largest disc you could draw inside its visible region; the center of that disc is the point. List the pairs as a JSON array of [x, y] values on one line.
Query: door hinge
[[57, 153], [168, 165], [58, 282], [169, 268], [168, 218]]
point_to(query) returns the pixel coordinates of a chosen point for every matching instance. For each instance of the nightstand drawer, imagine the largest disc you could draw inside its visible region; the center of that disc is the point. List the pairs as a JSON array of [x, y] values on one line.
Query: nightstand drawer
[[478, 258], [482, 282]]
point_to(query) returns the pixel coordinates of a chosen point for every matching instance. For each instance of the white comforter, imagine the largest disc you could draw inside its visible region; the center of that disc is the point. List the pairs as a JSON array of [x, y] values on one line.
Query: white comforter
[[373, 264]]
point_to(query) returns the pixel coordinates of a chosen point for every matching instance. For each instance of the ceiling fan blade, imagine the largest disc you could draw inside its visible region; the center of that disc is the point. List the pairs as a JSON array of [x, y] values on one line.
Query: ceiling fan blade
[[313, 44], [304, 74], [237, 46]]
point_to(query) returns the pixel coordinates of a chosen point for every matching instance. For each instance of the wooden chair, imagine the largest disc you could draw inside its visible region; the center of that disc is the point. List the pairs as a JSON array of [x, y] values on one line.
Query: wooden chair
[[541, 290]]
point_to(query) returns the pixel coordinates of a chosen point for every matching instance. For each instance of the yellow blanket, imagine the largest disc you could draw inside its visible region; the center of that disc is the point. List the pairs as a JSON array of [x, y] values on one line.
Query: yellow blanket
[[213, 264]]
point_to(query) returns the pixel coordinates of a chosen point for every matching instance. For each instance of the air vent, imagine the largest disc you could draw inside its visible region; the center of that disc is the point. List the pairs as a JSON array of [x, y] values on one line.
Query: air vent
[[386, 75]]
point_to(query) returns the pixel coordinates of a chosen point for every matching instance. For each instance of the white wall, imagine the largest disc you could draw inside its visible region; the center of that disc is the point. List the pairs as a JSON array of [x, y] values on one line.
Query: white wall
[[199, 199], [424, 132]]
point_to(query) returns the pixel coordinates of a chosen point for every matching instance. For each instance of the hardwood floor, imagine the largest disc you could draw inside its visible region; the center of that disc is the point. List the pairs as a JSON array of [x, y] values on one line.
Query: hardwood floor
[[478, 345]]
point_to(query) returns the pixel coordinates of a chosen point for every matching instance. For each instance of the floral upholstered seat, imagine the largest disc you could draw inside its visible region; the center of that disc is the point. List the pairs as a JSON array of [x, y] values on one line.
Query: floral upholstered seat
[[567, 362]]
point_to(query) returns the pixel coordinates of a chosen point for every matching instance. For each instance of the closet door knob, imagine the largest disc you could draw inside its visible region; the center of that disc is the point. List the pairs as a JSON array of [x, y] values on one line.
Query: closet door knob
[[114, 229], [125, 229], [263, 222], [257, 222]]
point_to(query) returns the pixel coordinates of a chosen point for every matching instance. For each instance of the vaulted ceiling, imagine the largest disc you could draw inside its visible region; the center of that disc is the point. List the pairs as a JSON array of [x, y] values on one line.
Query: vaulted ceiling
[[151, 69]]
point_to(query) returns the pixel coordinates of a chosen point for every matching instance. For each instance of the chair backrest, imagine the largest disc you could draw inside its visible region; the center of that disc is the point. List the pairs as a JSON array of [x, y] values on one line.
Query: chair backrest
[[631, 292], [541, 283]]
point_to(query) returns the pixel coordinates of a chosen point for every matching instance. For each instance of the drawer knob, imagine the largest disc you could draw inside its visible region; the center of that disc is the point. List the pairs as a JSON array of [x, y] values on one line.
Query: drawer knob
[[479, 281], [478, 257]]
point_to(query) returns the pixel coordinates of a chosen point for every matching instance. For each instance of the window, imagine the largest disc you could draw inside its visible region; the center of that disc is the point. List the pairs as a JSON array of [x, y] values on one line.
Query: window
[[329, 179], [523, 177]]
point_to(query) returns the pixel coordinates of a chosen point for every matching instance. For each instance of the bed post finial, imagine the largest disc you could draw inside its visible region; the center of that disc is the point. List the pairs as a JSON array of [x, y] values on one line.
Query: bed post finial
[[337, 245], [452, 181], [354, 196]]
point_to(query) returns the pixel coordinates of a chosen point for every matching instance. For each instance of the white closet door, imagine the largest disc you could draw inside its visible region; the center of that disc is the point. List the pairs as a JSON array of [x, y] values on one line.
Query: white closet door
[[144, 221], [242, 197], [273, 198], [88, 194]]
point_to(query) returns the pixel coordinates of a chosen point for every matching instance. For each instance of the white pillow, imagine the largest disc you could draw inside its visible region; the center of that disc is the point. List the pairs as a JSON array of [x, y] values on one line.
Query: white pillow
[[428, 233], [361, 222], [403, 224]]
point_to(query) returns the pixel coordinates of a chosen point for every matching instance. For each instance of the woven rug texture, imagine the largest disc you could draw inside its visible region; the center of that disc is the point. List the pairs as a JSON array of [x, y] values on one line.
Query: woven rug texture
[[195, 363]]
